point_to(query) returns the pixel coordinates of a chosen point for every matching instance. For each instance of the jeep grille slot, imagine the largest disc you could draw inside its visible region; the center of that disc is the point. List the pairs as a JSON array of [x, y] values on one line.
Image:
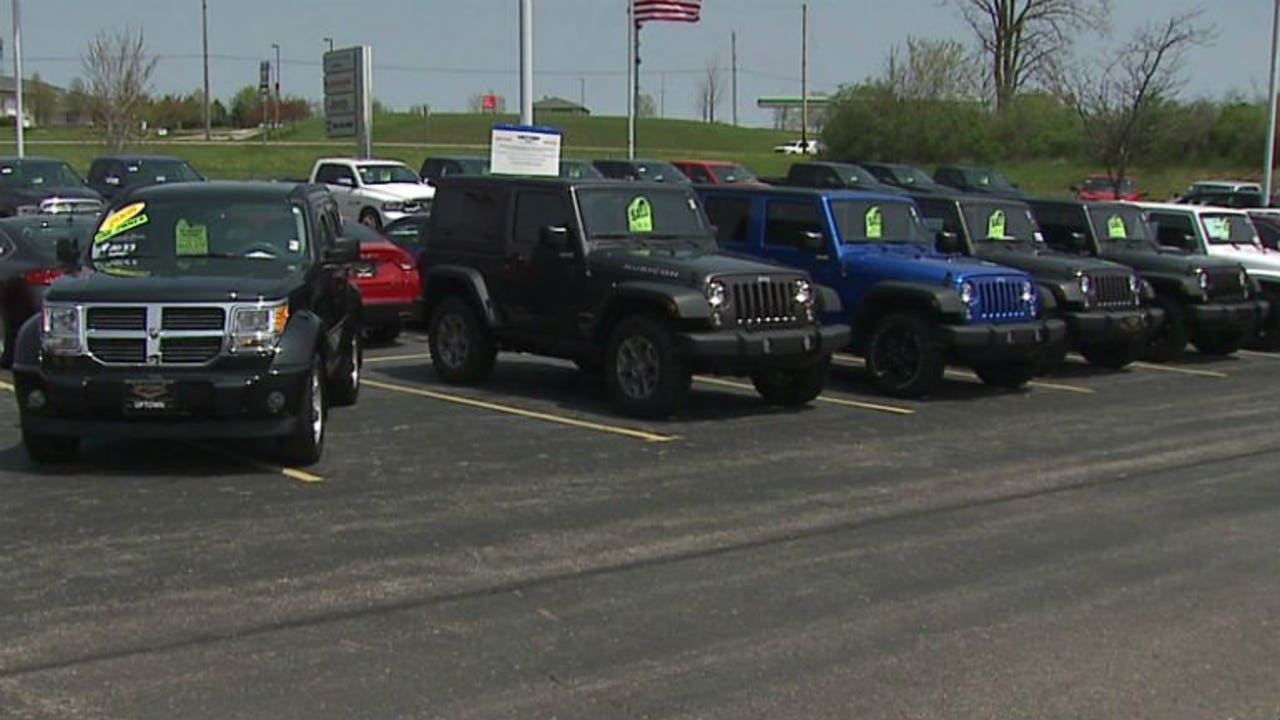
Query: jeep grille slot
[[1113, 291], [193, 318], [1224, 284], [1001, 299], [117, 318], [758, 303], [187, 350], [119, 351]]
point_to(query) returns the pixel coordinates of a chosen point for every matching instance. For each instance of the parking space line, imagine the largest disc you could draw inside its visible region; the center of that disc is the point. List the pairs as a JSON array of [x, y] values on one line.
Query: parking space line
[[1259, 354], [521, 412], [295, 474], [892, 409], [6, 386], [395, 358], [1179, 370]]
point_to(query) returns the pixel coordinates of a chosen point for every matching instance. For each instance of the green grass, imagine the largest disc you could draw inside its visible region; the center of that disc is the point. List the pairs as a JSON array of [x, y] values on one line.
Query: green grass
[[410, 138]]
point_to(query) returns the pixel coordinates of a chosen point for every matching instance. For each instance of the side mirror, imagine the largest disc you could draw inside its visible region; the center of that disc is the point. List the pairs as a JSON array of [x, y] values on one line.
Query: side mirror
[[345, 182], [813, 241], [554, 237], [948, 243], [67, 251], [345, 250]]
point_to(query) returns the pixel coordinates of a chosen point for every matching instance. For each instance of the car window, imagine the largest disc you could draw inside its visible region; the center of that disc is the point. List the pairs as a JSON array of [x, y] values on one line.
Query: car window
[[536, 209], [697, 173], [1000, 221], [862, 221], [331, 173], [1222, 228], [386, 173], [787, 221], [944, 211], [731, 216], [200, 226], [1175, 230]]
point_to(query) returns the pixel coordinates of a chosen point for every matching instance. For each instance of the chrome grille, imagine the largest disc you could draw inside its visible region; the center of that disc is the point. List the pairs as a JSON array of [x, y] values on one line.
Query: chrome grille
[[1001, 299], [117, 318], [121, 351], [762, 301], [193, 318], [189, 350], [1224, 284], [1113, 291]]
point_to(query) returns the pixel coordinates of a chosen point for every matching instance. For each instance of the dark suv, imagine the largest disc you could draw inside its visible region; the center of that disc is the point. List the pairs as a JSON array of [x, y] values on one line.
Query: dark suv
[[200, 310], [39, 185], [623, 276], [111, 175]]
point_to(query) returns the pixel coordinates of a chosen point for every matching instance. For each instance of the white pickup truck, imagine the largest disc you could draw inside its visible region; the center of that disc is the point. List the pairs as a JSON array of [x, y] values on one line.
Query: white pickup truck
[[373, 192]]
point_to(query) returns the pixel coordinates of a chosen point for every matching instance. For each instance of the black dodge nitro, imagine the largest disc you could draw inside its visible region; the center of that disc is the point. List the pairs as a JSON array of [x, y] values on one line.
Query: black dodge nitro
[[198, 310]]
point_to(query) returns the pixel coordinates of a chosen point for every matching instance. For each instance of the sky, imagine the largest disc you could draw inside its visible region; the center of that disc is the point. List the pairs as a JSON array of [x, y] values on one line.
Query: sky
[[442, 52]]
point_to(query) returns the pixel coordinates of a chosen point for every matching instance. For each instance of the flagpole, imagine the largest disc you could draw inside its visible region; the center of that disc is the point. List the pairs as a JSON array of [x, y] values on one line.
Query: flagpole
[[633, 42]]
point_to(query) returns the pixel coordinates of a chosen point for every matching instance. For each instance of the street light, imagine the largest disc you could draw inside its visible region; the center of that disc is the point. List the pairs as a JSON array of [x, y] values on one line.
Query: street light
[[330, 41], [17, 77], [276, 47]]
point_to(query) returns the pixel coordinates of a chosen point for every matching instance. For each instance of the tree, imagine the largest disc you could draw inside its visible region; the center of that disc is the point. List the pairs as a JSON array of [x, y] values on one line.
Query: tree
[[246, 107], [118, 70], [711, 91], [645, 106], [927, 69], [1021, 38], [1122, 98], [77, 103], [41, 99]]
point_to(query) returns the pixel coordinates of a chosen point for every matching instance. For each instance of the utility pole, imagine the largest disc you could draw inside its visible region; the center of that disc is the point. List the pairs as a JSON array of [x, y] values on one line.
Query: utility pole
[[204, 38], [17, 75], [582, 91], [526, 62], [662, 95], [733, 54], [804, 76], [276, 47], [1269, 162]]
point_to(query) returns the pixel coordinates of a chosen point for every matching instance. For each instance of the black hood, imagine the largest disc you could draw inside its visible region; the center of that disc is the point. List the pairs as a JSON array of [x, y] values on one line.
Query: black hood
[[1042, 262], [1150, 258], [683, 265], [207, 281]]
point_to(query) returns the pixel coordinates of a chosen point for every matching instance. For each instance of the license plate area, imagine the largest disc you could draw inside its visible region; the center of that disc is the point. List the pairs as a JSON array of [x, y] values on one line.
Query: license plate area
[[366, 269], [150, 397]]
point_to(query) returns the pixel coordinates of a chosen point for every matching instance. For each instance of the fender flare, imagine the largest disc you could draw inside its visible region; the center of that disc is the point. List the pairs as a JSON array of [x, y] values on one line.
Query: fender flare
[[437, 281], [302, 337]]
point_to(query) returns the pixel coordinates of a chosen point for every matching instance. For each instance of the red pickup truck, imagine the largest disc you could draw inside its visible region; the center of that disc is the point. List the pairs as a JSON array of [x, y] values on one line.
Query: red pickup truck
[[717, 172]]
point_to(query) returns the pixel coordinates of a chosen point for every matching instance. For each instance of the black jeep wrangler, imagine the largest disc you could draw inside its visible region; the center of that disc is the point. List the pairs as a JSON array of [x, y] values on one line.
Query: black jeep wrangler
[[1211, 302], [622, 276], [198, 310]]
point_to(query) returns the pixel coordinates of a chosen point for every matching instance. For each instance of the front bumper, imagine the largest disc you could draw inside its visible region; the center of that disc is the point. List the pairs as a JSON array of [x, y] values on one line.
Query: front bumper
[[197, 404], [1102, 327], [1238, 317], [765, 347], [1012, 340]]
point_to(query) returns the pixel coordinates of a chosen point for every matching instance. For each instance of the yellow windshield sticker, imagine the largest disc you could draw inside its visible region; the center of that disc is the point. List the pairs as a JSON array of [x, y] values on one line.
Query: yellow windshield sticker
[[640, 216], [190, 239], [874, 223], [1116, 229], [122, 220], [996, 224]]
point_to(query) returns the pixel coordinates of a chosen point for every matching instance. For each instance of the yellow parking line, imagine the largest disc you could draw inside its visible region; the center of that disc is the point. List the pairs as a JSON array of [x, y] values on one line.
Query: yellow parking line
[[292, 473], [521, 412], [821, 398], [1179, 370], [395, 358], [962, 375], [1259, 354], [6, 386]]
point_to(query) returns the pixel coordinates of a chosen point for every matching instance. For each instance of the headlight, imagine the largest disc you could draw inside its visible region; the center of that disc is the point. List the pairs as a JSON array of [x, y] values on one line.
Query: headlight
[[258, 327], [966, 292], [1244, 279], [1202, 278], [60, 329], [392, 206], [1086, 285], [1028, 291], [804, 292], [1135, 285], [716, 295]]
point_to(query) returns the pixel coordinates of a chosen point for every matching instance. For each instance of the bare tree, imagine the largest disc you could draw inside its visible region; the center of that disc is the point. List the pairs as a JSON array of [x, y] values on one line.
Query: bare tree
[[1019, 38], [926, 69], [118, 72], [711, 91], [41, 99], [1118, 97]]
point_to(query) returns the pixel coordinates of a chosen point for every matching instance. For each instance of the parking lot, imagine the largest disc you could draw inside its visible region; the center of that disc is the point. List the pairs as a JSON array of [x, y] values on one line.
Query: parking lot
[[1098, 545]]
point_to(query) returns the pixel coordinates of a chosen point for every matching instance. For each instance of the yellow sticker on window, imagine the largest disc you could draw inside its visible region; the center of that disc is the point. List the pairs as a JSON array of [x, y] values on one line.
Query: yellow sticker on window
[[874, 221], [640, 216], [996, 224], [190, 239], [1116, 229], [126, 218]]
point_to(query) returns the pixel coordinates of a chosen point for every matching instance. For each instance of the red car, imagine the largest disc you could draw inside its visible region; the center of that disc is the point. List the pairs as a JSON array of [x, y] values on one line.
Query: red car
[[389, 284], [1101, 187], [717, 172]]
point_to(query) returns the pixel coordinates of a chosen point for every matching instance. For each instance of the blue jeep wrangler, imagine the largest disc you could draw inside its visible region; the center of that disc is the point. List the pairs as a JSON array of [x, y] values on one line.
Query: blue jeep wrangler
[[912, 309]]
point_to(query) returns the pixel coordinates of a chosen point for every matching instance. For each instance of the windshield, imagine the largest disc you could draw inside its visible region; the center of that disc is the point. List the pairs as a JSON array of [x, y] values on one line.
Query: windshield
[[578, 169], [909, 176], [991, 179], [41, 235], [1222, 228], [855, 175], [733, 173], [37, 173], [614, 214], [387, 173], [1119, 224], [154, 172], [860, 221], [995, 222], [659, 172], [243, 229]]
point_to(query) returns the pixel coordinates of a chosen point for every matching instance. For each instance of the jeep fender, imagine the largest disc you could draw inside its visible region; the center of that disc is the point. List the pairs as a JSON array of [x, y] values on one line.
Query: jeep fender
[[299, 343], [1052, 295], [677, 302], [897, 294], [828, 300], [442, 280], [26, 350]]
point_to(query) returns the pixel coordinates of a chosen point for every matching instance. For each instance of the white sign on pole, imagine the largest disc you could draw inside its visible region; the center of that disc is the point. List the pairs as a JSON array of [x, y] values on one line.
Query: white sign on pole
[[524, 150]]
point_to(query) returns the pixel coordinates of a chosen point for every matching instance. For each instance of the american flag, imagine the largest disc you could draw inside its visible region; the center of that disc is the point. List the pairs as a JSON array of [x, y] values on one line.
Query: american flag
[[666, 10]]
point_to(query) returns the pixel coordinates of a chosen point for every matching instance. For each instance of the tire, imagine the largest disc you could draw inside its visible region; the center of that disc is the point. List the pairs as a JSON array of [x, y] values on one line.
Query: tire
[[1169, 341], [50, 449], [305, 444], [7, 338], [1268, 337], [1009, 375], [345, 387], [384, 334], [370, 218], [1218, 344], [1112, 357], [646, 376], [903, 358], [462, 350], [792, 387]]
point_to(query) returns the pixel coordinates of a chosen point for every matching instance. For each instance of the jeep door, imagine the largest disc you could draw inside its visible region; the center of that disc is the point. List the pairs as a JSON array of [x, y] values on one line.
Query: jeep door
[[543, 279], [796, 233], [1177, 230]]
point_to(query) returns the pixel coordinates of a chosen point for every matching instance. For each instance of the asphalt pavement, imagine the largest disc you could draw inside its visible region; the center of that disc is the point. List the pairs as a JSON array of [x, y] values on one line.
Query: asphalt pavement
[[1100, 545]]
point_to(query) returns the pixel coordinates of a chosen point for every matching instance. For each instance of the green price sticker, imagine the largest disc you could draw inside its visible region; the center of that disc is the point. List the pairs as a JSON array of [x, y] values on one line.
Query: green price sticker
[[190, 239], [1116, 229], [640, 216], [874, 223], [996, 224]]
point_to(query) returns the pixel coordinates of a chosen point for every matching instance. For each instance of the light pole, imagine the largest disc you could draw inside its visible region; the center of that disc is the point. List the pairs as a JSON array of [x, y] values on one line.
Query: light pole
[[330, 41], [276, 47], [204, 37], [526, 62], [1267, 173], [17, 74]]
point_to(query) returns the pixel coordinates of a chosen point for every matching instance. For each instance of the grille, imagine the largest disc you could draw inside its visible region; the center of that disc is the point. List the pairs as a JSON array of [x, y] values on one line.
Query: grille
[[1001, 299], [193, 318], [1113, 291], [758, 303], [117, 318], [189, 350], [119, 350], [1224, 284]]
